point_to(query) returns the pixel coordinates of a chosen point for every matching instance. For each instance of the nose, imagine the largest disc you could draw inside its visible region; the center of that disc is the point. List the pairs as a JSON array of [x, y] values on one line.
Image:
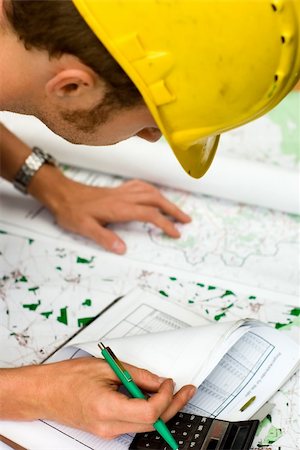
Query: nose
[[151, 134]]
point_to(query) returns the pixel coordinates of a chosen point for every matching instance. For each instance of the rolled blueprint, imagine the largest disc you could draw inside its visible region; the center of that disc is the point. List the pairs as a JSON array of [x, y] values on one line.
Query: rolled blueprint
[[231, 176]]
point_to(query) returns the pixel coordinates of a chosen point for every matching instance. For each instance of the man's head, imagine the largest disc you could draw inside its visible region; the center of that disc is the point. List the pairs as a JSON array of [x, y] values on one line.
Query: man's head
[[202, 67], [78, 90]]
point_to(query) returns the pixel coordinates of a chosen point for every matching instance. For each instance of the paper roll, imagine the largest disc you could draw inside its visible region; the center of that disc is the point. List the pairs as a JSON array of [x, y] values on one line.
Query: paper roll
[[231, 178]]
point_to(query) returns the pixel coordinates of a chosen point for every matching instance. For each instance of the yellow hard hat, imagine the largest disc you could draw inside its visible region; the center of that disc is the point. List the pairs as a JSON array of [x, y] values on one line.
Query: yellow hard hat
[[202, 66]]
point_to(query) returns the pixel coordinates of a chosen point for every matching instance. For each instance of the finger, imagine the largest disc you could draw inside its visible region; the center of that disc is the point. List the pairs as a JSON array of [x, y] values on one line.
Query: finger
[[146, 214], [145, 379], [180, 399], [112, 429], [157, 200], [139, 410], [103, 236], [144, 193], [152, 215]]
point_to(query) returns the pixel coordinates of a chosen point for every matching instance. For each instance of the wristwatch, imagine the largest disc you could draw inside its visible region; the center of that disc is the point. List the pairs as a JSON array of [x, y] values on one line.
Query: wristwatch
[[31, 165]]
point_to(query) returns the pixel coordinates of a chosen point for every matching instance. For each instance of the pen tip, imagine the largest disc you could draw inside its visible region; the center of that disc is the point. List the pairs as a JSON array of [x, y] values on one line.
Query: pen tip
[[101, 345]]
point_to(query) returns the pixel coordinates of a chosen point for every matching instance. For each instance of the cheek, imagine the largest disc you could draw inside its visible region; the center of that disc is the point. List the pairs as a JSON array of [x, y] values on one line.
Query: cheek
[[126, 124]]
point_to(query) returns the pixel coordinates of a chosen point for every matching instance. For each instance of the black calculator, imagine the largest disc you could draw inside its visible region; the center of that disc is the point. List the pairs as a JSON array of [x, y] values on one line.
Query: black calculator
[[200, 433]]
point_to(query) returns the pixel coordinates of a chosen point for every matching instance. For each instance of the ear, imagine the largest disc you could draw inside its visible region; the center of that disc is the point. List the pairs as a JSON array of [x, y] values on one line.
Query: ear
[[73, 88]]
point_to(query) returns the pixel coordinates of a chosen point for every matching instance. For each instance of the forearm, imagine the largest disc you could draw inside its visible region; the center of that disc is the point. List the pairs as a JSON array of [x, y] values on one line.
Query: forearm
[[22, 393], [47, 185], [13, 153]]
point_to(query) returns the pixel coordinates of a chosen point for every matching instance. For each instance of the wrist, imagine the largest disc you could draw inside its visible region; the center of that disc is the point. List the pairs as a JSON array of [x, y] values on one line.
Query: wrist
[[32, 164], [50, 186], [23, 393]]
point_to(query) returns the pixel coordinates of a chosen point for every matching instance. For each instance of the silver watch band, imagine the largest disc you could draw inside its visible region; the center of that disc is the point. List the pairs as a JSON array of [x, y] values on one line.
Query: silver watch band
[[31, 165]]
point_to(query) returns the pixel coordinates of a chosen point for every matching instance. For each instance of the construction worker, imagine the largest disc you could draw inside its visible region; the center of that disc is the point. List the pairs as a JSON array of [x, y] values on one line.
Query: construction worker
[[97, 72]]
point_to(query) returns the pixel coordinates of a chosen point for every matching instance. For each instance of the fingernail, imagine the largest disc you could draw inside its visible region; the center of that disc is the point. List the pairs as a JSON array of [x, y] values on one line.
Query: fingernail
[[119, 247], [192, 392]]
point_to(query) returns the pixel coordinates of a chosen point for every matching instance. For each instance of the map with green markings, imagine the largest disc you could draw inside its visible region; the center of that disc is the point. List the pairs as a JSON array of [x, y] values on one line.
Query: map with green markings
[[232, 261]]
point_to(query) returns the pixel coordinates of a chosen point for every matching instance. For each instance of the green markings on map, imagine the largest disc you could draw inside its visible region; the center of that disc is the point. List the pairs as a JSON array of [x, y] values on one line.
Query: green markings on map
[[22, 279], [63, 318], [33, 289], [58, 268], [287, 117], [219, 316], [80, 260], [191, 301], [273, 433], [295, 217], [47, 314], [164, 293], [189, 242], [173, 278], [200, 284], [295, 312], [224, 309], [291, 322], [30, 241], [211, 288], [227, 307], [83, 321], [87, 302], [32, 306], [3, 232], [288, 325], [265, 422], [252, 297], [227, 293]]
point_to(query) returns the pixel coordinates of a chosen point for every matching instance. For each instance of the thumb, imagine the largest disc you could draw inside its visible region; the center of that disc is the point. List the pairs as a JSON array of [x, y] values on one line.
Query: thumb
[[144, 378], [104, 237]]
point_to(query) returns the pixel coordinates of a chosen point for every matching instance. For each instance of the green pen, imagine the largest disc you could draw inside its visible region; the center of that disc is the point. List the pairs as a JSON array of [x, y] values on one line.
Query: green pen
[[126, 379]]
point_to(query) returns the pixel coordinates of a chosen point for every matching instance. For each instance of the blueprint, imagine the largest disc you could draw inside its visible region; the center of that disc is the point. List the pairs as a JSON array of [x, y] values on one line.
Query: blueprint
[[232, 241], [49, 292], [234, 260]]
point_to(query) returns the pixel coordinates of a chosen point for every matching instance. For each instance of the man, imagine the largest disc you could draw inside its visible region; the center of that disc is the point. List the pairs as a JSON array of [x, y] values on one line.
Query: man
[[72, 99], [202, 68]]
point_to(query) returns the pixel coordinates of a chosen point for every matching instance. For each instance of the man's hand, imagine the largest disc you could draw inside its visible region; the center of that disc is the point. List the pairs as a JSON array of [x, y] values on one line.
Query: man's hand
[[87, 209], [83, 393]]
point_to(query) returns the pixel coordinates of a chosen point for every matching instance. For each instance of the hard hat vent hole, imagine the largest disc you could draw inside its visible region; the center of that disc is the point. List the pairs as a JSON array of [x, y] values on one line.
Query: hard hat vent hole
[[274, 7], [276, 77], [282, 39]]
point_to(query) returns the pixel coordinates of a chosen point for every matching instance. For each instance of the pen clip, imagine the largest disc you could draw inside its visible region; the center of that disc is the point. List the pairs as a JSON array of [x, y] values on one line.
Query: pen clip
[[116, 360]]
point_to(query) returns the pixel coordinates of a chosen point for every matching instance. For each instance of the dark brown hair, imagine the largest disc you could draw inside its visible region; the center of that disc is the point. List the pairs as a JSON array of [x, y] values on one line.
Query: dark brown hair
[[57, 27]]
